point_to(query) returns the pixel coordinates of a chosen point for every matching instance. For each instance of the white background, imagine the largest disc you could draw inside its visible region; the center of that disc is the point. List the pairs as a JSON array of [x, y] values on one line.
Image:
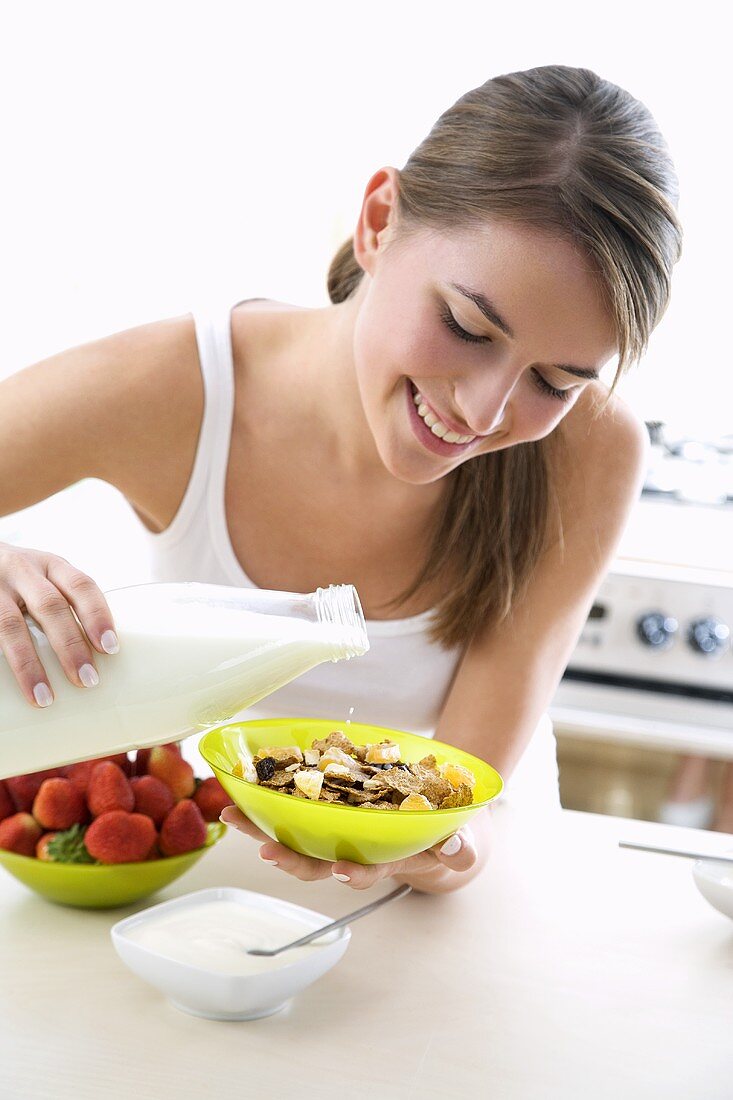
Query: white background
[[158, 155]]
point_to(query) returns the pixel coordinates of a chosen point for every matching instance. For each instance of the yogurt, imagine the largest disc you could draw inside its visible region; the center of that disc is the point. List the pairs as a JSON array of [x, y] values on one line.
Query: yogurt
[[216, 935]]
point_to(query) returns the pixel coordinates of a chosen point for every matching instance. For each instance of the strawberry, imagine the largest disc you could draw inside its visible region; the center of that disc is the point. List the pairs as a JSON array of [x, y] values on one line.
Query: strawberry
[[24, 788], [109, 789], [211, 798], [122, 760], [120, 837], [166, 763], [79, 773], [19, 833], [7, 806], [152, 797], [143, 755], [59, 804], [66, 847], [183, 829], [42, 847]]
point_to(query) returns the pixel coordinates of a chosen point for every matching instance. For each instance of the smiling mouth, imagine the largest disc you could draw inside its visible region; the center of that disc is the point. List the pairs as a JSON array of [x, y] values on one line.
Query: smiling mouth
[[436, 425]]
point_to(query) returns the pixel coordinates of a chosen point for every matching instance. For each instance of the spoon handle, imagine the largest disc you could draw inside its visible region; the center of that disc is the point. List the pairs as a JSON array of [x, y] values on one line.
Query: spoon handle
[[398, 893], [673, 852]]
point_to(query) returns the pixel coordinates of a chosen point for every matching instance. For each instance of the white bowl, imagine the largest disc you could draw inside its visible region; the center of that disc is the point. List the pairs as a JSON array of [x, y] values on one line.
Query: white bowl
[[714, 880], [220, 996]]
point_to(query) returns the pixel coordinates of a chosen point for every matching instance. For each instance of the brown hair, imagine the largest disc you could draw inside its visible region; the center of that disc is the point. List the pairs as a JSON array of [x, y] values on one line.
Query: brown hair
[[560, 149]]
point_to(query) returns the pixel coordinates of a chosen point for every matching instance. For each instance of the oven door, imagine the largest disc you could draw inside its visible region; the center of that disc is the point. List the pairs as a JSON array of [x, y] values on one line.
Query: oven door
[[646, 731]]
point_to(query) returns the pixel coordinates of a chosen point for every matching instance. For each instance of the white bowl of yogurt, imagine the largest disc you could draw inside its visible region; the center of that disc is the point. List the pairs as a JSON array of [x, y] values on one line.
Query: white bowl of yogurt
[[714, 880], [194, 950]]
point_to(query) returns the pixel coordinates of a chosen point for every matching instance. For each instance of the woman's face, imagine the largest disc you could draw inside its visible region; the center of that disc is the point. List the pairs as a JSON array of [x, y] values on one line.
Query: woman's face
[[499, 381]]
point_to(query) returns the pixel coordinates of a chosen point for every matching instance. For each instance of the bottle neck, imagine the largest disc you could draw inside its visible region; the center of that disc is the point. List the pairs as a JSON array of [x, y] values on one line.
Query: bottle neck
[[339, 606]]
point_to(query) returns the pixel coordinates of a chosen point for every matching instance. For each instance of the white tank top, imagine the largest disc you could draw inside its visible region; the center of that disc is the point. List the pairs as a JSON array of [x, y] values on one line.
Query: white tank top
[[403, 679], [401, 682]]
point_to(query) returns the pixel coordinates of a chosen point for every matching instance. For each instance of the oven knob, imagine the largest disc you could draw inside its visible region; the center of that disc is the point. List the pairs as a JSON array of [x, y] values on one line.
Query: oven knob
[[656, 629], [708, 635]]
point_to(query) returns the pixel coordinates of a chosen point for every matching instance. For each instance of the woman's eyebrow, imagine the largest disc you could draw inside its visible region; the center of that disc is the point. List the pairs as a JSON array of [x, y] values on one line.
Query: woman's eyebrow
[[491, 314]]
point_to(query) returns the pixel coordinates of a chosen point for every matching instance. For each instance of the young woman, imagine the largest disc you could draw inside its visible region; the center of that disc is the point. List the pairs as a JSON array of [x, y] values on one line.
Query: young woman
[[439, 436]]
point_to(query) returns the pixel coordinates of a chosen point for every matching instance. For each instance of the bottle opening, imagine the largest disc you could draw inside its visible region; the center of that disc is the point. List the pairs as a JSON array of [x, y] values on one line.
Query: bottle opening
[[339, 606]]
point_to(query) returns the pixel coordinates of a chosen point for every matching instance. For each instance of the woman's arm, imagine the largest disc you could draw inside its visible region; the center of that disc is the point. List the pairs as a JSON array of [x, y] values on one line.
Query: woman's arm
[[125, 409], [507, 678]]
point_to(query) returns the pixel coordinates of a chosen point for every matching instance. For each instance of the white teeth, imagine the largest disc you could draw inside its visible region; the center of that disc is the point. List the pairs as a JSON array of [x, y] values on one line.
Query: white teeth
[[437, 426]]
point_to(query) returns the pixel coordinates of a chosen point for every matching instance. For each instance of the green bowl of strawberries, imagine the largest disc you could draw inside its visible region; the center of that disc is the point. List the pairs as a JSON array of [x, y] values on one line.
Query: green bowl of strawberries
[[104, 833]]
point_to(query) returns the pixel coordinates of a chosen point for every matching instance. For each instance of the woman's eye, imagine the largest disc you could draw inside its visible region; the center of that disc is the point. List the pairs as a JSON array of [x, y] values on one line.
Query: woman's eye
[[541, 383], [449, 320], [544, 385]]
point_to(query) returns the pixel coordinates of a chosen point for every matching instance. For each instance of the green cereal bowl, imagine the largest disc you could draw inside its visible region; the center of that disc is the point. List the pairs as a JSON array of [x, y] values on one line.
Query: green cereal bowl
[[331, 831], [104, 885]]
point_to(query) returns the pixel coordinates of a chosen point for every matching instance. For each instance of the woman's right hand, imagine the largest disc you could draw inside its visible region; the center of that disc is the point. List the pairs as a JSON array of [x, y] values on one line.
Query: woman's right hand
[[52, 592]]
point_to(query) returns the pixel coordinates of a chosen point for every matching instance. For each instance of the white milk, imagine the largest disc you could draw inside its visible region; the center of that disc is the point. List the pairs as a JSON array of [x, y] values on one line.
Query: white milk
[[191, 655], [216, 935]]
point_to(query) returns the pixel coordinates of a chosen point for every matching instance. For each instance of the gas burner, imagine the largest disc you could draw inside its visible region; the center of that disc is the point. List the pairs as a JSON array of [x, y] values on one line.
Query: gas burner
[[688, 470]]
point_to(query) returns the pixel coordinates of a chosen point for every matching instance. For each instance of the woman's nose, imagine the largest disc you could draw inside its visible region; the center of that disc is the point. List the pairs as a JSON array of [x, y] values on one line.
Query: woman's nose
[[484, 406]]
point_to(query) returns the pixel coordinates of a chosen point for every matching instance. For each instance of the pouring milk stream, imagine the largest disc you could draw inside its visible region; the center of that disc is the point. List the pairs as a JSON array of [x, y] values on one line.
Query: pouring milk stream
[[191, 656]]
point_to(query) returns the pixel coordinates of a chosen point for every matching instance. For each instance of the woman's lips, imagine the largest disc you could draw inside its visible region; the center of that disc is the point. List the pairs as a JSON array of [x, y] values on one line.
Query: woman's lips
[[451, 424], [433, 442]]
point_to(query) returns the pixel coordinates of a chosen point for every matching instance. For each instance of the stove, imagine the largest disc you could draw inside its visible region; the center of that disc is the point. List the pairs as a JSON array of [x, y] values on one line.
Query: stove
[[653, 666]]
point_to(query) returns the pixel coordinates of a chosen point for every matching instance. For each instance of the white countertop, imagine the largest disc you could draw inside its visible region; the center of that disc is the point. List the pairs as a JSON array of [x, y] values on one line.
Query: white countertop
[[568, 969]]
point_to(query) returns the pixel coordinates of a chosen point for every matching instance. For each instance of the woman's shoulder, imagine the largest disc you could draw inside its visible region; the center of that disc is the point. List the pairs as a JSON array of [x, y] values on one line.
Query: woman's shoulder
[[604, 454]]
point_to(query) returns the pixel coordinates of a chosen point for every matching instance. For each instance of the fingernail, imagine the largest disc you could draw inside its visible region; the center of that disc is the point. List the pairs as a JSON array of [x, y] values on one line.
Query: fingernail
[[451, 846], [42, 695], [341, 878], [109, 642], [272, 861], [88, 676]]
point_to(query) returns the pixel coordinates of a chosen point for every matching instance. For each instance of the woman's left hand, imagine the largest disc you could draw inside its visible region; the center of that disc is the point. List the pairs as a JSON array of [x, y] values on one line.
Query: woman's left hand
[[457, 853]]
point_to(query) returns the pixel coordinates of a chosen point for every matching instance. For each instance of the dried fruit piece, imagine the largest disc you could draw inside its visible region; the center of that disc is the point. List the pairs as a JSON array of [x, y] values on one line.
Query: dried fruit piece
[[334, 755], [456, 774], [310, 782], [245, 769], [416, 802], [387, 752], [311, 757], [265, 768]]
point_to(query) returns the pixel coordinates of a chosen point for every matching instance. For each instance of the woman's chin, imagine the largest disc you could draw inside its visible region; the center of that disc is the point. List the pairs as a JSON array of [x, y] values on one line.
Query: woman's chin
[[405, 464]]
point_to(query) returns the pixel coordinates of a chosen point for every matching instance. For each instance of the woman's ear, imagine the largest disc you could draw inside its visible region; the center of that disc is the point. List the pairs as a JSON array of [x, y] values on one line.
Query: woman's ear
[[377, 218]]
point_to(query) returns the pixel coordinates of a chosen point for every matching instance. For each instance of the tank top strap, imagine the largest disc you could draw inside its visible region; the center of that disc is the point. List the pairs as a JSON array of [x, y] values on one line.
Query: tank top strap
[[203, 500], [214, 339]]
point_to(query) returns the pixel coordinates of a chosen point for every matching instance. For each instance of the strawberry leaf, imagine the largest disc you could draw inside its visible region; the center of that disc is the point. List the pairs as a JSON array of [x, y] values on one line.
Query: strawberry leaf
[[68, 846]]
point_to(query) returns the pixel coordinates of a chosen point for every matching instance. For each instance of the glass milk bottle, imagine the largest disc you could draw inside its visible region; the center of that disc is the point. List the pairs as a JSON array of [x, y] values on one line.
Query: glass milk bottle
[[191, 655]]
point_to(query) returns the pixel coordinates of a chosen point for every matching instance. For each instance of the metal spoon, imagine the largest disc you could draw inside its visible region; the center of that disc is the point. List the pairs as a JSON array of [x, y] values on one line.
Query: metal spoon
[[674, 852], [398, 893]]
